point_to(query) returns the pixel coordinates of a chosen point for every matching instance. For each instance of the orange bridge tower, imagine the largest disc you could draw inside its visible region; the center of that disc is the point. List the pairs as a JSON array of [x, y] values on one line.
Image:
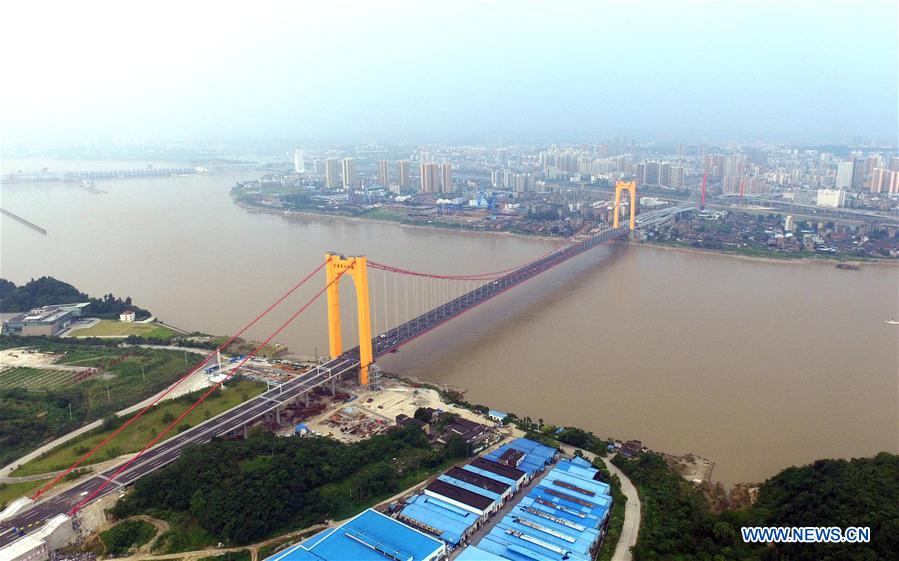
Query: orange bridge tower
[[356, 268]]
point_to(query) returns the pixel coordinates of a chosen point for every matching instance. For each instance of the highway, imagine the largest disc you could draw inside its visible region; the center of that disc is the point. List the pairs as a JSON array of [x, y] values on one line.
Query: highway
[[255, 408]]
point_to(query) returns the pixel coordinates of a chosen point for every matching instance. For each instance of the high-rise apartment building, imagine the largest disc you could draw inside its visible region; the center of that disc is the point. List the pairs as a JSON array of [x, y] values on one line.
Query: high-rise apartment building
[[501, 158], [884, 181], [858, 174], [676, 177], [844, 174], [299, 161], [640, 173], [446, 177], [430, 176], [350, 179], [403, 174], [383, 173], [664, 173], [332, 173], [831, 198], [652, 173]]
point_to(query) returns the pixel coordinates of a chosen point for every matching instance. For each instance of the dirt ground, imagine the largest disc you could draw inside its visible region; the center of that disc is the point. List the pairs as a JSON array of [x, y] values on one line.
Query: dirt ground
[[691, 467], [15, 358], [378, 409]]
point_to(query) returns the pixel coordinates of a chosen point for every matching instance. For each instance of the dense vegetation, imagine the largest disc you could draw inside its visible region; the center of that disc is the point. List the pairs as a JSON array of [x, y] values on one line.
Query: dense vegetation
[[128, 534], [47, 290], [677, 524], [29, 418], [242, 491]]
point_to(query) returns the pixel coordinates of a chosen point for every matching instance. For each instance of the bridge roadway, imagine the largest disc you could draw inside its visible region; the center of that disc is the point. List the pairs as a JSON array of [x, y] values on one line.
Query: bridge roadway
[[255, 408]]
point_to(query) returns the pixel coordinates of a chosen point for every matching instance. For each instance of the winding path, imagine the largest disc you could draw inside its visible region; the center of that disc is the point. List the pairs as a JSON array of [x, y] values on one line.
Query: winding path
[[631, 526]]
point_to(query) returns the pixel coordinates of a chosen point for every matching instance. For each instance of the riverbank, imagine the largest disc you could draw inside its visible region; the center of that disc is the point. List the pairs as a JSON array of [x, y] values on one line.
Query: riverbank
[[321, 215], [774, 259]]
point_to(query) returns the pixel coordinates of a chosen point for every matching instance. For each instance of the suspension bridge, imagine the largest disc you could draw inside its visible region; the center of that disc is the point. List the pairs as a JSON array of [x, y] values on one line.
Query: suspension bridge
[[420, 302]]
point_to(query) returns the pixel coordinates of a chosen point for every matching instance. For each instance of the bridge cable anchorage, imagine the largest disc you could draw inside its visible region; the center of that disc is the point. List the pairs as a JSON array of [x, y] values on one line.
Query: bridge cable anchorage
[[203, 397], [190, 372]]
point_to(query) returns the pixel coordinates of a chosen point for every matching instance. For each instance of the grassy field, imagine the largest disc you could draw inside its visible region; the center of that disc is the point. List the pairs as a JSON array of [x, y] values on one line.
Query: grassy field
[[113, 328], [12, 491], [133, 438], [34, 378], [124, 536]]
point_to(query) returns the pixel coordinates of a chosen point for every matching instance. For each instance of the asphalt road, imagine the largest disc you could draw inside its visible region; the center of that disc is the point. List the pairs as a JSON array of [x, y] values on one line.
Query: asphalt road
[[255, 408]]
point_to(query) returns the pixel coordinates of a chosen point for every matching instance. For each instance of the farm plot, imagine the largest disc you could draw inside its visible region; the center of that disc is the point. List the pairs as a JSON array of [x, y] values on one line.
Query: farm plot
[[34, 378]]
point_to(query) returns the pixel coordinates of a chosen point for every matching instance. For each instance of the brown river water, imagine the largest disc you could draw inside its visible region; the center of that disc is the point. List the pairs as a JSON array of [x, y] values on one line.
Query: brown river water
[[757, 365]]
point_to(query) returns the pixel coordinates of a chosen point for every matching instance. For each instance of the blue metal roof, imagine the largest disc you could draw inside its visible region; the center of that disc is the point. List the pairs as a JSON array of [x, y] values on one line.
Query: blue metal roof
[[495, 497], [536, 456], [472, 553], [451, 521], [552, 522], [370, 536], [492, 475]]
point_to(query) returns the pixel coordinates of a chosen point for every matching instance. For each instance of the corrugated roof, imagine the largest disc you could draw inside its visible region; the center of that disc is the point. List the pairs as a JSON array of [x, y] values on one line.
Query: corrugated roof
[[370, 536], [497, 468], [494, 497], [459, 494], [558, 520], [479, 480]]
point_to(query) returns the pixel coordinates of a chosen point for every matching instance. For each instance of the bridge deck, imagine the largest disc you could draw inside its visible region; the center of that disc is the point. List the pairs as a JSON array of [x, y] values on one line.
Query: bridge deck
[[253, 409]]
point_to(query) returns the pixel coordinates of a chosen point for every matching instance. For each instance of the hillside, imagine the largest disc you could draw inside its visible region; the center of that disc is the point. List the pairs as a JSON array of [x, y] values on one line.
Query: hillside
[[48, 290], [678, 525]]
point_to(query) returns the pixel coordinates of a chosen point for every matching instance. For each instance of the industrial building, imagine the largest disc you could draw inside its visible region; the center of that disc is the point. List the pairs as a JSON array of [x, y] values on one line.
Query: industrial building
[[369, 536], [526, 455], [514, 477], [49, 320], [462, 499], [450, 509], [562, 518], [451, 524]]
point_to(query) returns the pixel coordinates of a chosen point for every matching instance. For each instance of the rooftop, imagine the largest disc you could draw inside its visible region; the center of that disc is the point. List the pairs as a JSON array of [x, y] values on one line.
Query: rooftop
[[370, 536], [459, 494], [497, 468]]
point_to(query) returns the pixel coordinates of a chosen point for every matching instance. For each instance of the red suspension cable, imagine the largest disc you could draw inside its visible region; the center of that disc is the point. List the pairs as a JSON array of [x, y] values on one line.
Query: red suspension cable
[[190, 372], [123, 467], [481, 276]]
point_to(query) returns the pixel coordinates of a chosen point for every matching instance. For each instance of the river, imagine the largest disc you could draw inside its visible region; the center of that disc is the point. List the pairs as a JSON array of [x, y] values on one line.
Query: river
[[757, 365]]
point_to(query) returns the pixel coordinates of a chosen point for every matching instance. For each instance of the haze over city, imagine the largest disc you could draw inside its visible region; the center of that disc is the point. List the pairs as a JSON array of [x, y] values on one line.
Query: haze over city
[[469, 280], [450, 72]]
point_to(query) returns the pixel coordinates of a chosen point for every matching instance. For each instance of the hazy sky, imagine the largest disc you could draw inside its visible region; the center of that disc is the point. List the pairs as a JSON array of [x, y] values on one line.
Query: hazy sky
[[460, 71]]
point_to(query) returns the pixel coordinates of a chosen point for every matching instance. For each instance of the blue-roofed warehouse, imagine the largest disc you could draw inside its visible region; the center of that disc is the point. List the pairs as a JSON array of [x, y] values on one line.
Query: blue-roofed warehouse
[[527, 455], [370, 536], [455, 504], [562, 518], [439, 518]]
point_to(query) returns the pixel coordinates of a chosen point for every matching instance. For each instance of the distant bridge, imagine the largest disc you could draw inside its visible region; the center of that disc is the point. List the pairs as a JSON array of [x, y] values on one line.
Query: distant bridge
[[95, 175]]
